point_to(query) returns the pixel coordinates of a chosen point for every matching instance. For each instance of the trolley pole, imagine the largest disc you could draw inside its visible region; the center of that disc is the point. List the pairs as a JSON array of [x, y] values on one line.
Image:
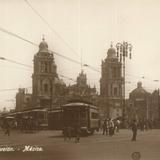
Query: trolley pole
[[124, 51]]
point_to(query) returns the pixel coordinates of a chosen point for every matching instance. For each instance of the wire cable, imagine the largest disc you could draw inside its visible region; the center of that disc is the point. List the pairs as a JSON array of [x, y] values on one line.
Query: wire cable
[[13, 61], [9, 60], [15, 35], [50, 27], [67, 58], [12, 89]]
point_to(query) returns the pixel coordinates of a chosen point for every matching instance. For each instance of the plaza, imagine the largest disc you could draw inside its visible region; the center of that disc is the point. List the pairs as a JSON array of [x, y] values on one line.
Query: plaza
[[96, 147]]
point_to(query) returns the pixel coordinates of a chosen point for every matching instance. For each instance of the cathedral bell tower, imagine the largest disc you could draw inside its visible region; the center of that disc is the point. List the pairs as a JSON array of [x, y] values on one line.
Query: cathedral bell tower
[[44, 75], [111, 84]]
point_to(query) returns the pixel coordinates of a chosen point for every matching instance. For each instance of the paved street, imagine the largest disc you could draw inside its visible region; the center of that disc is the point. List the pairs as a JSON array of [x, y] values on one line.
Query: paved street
[[96, 147]]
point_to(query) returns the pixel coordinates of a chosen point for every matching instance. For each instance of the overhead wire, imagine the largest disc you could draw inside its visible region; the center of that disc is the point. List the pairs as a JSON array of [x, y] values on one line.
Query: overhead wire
[[11, 89], [16, 35], [13, 61], [58, 54], [50, 27], [65, 57]]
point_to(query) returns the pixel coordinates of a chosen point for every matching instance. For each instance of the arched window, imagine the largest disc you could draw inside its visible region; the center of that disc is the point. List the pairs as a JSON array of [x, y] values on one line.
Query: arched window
[[41, 85], [46, 67], [115, 91], [46, 88]]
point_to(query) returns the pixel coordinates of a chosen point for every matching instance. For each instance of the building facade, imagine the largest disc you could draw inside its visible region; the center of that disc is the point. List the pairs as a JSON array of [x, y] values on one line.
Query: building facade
[[81, 90], [143, 105], [23, 100], [46, 85], [111, 85], [154, 109], [44, 76], [139, 100], [48, 90]]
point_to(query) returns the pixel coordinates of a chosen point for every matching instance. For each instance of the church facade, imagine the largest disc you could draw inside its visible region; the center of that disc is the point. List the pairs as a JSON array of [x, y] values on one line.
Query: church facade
[[48, 90], [46, 85]]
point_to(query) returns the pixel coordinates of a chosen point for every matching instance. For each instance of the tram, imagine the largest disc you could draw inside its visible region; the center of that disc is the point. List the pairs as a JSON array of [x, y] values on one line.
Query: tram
[[73, 113], [37, 116]]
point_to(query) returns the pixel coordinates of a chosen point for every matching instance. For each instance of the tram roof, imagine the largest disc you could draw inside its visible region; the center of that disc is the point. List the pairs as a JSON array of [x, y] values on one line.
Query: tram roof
[[39, 110], [33, 110], [75, 104]]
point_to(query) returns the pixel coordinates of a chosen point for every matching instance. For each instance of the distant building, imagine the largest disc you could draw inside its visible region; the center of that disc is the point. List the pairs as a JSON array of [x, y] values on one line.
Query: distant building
[[24, 101], [81, 90], [143, 105], [154, 109], [111, 85], [139, 100]]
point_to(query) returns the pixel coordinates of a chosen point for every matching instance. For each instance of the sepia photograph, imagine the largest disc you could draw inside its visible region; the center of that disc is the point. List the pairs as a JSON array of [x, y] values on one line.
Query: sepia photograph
[[79, 80]]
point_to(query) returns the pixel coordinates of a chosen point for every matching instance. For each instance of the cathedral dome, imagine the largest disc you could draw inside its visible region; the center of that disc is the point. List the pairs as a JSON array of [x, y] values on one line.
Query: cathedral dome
[[43, 46], [111, 52], [139, 91]]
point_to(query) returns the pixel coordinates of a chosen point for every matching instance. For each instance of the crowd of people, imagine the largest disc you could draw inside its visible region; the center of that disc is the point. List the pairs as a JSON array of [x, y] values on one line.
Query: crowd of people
[[110, 126]]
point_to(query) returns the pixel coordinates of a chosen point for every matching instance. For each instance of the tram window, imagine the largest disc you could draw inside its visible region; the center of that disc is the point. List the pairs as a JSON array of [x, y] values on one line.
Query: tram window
[[41, 115], [82, 114], [94, 115]]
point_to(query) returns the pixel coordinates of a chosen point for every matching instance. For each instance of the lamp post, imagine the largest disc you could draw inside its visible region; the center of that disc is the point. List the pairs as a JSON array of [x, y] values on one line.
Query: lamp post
[[124, 51]]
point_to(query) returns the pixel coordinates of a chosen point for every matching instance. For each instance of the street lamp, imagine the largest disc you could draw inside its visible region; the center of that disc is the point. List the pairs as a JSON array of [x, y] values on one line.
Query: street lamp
[[124, 51]]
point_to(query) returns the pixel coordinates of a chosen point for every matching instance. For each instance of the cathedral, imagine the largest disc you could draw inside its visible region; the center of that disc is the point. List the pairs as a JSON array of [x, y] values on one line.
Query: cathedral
[[48, 90]]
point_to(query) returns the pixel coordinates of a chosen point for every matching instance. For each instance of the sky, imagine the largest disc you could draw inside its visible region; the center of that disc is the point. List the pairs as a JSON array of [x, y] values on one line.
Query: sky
[[75, 27]]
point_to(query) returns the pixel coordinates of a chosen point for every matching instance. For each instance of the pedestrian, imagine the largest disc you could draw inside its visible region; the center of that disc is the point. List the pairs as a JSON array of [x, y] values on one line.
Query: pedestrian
[[65, 133], [15, 124], [118, 122], [99, 125], [77, 133], [69, 132], [104, 127], [111, 127], [7, 128], [134, 128]]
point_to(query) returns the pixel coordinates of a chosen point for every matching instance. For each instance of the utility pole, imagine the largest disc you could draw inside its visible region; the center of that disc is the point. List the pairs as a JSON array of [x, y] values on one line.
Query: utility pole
[[123, 51]]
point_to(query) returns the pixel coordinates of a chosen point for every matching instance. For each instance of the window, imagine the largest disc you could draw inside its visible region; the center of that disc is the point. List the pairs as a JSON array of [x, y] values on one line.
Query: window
[[120, 89], [94, 115], [45, 88], [42, 67], [46, 67], [115, 91], [111, 89], [114, 72], [83, 114], [41, 85]]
